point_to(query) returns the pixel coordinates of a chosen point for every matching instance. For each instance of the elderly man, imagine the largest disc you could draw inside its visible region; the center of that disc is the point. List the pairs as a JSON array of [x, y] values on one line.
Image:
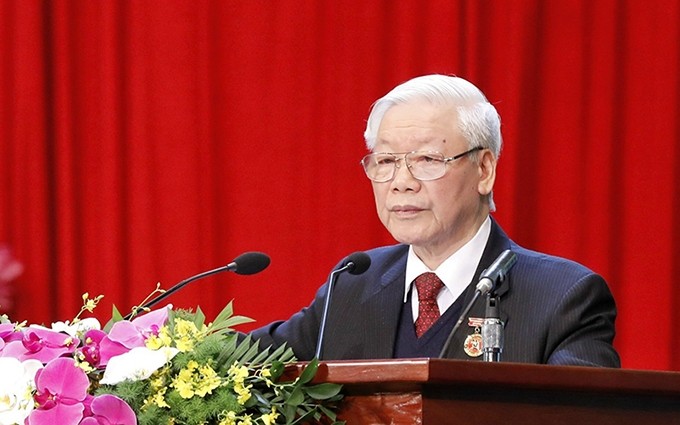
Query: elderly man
[[434, 143]]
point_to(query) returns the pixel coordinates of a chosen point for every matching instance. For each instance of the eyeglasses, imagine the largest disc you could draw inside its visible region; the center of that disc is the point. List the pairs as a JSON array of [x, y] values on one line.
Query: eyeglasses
[[381, 167]]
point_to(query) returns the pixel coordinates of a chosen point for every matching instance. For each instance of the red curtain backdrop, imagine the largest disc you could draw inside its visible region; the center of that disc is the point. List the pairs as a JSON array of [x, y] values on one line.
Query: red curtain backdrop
[[143, 142]]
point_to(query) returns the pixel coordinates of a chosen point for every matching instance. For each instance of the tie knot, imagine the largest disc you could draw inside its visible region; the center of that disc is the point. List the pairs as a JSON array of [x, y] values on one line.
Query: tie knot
[[428, 285]]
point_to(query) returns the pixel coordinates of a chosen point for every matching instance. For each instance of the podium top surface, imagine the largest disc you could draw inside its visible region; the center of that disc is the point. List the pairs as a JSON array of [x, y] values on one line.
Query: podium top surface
[[422, 372]]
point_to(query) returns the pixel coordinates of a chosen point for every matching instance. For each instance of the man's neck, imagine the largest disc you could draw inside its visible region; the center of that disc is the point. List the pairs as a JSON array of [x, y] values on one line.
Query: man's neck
[[434, 256]]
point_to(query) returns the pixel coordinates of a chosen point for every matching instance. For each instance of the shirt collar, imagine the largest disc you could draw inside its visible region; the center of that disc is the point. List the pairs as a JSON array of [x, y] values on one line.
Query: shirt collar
[[458, 270]]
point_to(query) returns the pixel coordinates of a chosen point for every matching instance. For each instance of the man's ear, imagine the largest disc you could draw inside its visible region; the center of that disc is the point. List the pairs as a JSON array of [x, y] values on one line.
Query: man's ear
[[487, 172]]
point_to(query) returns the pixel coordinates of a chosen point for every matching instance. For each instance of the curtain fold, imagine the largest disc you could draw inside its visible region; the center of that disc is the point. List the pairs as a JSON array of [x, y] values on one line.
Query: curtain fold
[[143, 142]]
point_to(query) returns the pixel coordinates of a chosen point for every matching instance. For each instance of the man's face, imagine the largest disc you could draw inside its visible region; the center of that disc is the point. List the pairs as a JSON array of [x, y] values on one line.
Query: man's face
[[439, 216]]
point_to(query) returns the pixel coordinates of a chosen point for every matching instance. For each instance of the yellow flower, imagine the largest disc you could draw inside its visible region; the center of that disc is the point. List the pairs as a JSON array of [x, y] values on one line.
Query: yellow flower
[[158, 382], [153, 342], [183, 381], [208, 380], [158, 398], [90, 304], [230, 418], [243, 392], [270, 418], [164, 335], [186, 335], [266, 374], [84, 365], [163, 339], [238, 373], [227, 418], [184, 344], [195, 380]]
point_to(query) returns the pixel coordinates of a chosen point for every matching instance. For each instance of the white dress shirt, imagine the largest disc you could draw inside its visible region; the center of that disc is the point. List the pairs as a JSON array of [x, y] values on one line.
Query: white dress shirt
[[456, 272]]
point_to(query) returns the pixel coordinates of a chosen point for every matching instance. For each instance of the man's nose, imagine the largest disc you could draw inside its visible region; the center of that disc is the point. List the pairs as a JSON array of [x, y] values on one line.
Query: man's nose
[[403, 179]]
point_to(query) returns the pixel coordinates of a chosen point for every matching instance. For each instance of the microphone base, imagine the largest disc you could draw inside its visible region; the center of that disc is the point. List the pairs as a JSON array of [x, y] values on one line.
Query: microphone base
[[492, 355]]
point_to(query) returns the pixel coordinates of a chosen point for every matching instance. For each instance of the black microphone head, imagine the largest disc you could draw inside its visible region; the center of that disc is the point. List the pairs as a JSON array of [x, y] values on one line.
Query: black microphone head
[[251, 262], [358, 262]]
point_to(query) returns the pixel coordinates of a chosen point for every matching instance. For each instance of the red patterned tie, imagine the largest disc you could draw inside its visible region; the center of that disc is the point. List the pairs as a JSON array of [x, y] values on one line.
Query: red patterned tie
[[428, 285]]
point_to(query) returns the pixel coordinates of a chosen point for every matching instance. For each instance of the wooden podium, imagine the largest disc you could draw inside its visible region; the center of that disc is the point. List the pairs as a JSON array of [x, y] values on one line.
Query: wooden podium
[[435, 391]]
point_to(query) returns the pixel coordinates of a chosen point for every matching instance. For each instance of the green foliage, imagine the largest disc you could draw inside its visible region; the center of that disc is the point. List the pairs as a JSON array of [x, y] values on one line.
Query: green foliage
[[225, 379]]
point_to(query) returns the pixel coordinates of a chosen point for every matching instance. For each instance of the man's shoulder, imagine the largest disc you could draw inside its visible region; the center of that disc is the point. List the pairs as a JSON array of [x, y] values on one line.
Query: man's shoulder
[[544, 260], [550, 271], [536, 262], [387, 256]]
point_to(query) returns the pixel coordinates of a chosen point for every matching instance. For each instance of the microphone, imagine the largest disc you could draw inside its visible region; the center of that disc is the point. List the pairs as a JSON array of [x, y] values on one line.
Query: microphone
[[496, 272], [246, 263], [492, 331], [356, 263]]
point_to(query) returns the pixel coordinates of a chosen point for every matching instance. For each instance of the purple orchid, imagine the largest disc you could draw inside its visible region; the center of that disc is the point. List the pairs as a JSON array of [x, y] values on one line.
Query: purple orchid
[[40, 344], [62, 397], [126, 335], [90, 350], [108, 409], [8, 333], [61, 389]]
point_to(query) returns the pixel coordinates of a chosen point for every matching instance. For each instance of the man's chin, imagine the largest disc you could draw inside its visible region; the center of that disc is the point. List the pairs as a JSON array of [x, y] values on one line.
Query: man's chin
[[408, 238]]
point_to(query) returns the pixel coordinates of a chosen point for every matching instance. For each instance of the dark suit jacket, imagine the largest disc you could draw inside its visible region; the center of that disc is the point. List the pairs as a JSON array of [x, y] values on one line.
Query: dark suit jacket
[[555, 311]]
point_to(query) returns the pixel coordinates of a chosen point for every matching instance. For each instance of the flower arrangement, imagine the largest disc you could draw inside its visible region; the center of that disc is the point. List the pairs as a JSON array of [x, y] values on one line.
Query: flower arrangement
[[162, 367]]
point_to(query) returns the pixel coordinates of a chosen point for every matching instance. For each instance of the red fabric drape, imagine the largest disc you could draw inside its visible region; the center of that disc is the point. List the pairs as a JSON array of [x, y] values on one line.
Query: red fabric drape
[[148, 141]]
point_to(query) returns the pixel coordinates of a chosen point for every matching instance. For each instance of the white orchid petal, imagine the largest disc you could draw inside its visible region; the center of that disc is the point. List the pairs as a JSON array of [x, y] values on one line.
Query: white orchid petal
[[137, 364], [16, 387], [75, 329]]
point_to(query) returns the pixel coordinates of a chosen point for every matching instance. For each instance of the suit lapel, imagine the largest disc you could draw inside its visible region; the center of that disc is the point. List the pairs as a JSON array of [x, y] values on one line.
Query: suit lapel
[[497, 243], [382, 304]]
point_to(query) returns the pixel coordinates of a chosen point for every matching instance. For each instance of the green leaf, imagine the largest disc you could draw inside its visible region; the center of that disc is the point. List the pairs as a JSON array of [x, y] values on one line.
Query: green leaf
[[250, 354], [260, 357], [323, 391], [261, 399], [289, 412], [235, 321], [243, 351], [225, 321], [282, 353], [227, 351], [296, 397], [115, 317], [304, 417], [226, 313], [328, 412], [277, 370], [309, 371], [199, 318]]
